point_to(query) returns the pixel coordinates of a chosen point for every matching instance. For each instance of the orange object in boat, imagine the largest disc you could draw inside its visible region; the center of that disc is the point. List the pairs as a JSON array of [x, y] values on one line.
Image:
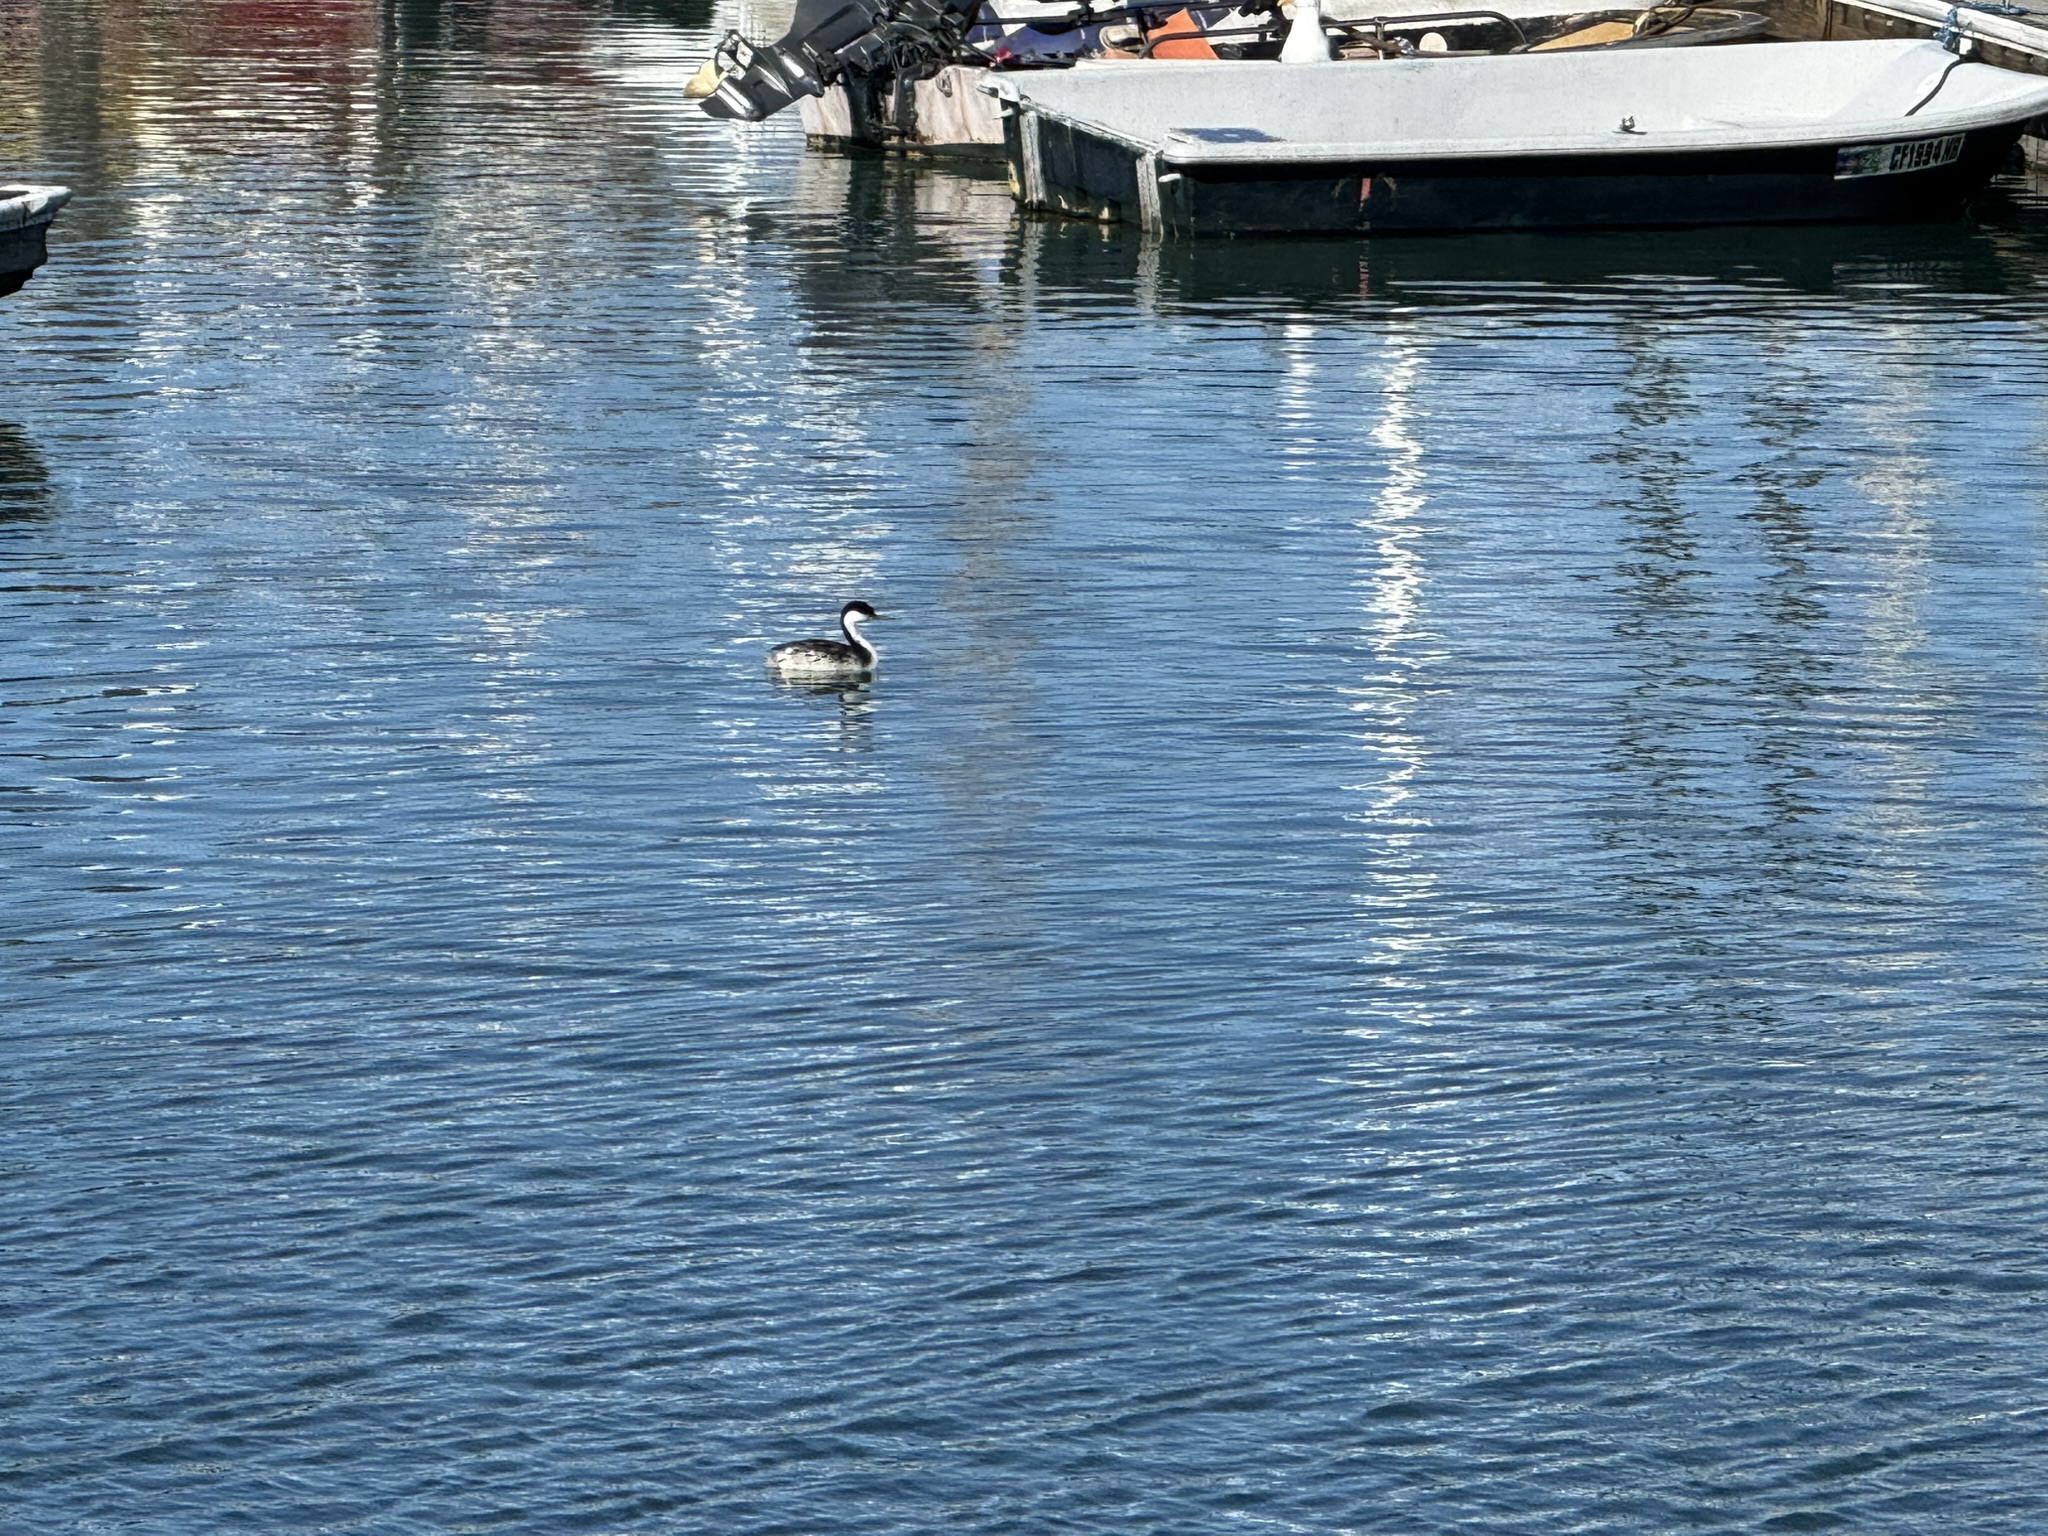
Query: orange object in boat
[[1182, 39], [1596, 36]]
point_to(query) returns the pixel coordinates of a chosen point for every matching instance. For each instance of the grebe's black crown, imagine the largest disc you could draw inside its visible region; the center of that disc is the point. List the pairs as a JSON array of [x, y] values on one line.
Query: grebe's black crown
[[857, 607]]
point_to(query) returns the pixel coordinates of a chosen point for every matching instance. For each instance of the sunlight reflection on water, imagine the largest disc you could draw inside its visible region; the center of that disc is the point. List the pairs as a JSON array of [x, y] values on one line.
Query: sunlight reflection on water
[[1428, 925]]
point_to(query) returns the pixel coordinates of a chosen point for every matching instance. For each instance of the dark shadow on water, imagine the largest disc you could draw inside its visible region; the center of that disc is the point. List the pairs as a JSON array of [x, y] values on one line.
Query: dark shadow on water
[[1532, 270], [880, 244], [415, 24], [24, 477], [489, 25], [874, 243], [680, 13]]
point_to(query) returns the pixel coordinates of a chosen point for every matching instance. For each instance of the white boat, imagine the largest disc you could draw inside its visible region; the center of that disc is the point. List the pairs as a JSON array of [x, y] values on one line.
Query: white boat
[[25, 215], [1789, 133], [921, 91], [948, 115]]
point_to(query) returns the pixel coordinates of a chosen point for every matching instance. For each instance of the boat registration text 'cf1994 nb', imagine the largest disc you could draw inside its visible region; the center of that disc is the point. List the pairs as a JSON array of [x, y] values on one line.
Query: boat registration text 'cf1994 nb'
[[1891, 159]]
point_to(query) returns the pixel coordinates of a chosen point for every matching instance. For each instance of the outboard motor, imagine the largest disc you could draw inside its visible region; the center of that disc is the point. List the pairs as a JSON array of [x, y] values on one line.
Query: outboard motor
[[830, 38]]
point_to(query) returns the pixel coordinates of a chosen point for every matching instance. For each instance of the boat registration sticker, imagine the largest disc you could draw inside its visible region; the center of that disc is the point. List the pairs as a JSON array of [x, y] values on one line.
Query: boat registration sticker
[[1891, 159]]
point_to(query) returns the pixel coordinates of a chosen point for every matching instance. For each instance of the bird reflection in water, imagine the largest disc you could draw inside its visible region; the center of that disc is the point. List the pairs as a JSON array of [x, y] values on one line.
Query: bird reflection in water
[[856, 706], [24, 477]]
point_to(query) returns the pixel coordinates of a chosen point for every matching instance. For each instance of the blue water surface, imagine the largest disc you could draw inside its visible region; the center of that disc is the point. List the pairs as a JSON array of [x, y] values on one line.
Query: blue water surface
[[1434, 922]]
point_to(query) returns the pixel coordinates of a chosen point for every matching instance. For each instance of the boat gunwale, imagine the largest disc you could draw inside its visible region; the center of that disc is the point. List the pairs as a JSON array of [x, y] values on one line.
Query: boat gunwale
[[25, 205], [1181, 153]]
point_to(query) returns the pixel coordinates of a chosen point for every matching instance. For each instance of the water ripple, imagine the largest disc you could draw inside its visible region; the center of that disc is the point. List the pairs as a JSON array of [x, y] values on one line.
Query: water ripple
[[1428, 927]]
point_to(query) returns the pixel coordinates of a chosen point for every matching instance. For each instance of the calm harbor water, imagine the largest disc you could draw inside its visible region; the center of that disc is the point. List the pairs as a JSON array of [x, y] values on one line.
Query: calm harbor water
[[1435, 923]]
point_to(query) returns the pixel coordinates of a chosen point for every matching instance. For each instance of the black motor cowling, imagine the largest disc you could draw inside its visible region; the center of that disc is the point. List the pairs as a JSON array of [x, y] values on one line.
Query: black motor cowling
[[830, 38]]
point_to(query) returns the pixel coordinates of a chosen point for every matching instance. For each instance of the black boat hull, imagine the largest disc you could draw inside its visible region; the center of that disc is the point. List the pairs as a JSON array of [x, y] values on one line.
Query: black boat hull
[[21, 252], [1058, 167]]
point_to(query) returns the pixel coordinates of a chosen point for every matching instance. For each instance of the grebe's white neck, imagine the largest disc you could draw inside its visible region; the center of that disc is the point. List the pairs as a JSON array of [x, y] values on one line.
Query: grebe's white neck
[[851, 623]]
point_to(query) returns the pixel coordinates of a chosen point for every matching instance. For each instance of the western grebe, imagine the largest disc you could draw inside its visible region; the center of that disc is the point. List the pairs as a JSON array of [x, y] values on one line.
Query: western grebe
[[829, 658]]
